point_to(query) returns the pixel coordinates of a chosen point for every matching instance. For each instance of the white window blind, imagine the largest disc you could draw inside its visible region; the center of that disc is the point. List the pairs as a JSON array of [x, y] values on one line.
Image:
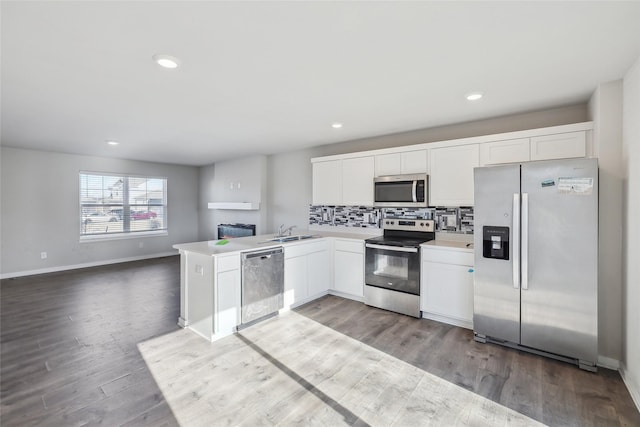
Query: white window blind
[[121, 204]]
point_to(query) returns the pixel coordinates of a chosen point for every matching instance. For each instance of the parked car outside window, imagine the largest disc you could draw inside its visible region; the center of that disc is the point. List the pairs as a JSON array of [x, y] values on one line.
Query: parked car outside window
[[99, 217], [118, 213], [143, 215]]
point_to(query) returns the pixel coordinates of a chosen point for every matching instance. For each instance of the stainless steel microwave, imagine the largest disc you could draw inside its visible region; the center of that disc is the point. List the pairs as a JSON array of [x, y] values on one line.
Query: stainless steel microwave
[[402, 191]]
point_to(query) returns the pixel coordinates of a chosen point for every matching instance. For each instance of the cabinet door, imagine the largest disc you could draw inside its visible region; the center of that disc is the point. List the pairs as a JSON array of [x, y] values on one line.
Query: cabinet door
[[327, 182], [228, 303], [414, 162], [295, 280], [318, 272], [388, 164], [199, 279], [357, 181], [509, 151], [349, 273], [451, 177], [448, 291], [560, 146]]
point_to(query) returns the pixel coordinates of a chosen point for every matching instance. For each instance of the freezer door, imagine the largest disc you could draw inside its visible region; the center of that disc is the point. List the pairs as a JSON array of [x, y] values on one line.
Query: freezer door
[[560, 257], [496, 303]]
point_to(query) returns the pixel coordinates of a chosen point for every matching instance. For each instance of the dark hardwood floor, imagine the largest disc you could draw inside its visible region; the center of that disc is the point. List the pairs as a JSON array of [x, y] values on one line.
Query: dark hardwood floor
[[69, 344], [100, 346]]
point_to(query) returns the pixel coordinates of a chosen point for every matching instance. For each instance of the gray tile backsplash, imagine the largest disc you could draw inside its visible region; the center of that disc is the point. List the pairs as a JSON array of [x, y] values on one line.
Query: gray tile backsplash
[[448, 220], [348, 216]]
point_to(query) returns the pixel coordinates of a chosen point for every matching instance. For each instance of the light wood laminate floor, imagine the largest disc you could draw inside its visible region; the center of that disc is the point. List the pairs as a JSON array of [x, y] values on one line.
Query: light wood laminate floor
[[101, 346]]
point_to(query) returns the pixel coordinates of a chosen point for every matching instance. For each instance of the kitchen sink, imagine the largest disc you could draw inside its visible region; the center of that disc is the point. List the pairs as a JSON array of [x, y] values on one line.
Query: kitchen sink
[[293, 238]]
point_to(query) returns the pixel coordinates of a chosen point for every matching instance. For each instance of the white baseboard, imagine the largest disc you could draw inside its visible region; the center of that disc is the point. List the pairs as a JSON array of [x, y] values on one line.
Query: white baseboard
[[345, 295], [448, 320], [634, 389], [608, 362], [84, 265]]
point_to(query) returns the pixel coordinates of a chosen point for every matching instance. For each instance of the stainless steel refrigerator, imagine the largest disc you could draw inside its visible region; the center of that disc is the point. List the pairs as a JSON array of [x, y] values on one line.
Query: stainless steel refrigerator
[[536, 258]]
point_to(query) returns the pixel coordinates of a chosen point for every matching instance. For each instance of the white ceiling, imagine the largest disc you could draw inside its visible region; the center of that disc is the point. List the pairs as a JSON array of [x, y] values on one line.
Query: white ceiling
[[266, 77]]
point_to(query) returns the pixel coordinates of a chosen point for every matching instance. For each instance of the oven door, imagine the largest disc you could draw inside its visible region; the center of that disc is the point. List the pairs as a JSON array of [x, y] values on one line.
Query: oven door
[[394, 268]]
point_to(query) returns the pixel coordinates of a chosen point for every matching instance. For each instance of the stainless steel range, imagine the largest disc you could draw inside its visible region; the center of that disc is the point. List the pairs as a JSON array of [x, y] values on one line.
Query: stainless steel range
[[392, 265]]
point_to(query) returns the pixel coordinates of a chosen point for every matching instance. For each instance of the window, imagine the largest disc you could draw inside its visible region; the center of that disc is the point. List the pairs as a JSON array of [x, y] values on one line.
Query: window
[[121, 205]]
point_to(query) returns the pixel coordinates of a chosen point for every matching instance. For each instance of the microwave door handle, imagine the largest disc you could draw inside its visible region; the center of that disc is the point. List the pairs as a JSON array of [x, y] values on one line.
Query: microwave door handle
[[414, 191]]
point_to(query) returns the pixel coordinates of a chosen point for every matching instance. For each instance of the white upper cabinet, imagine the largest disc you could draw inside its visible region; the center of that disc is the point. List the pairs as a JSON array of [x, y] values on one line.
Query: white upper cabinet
[[402, 163], [388, 164], [451, 176], [509, 151], [414, 161], [357, 181], [347, 179], [327, 182], [560, 146]]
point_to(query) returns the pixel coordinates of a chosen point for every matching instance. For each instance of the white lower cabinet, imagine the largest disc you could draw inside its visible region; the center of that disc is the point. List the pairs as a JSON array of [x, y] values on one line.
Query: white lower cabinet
[[348, 278], [199, 307], [212, 294], [319, 272], [228, 299], [307, 272], [446, 291]]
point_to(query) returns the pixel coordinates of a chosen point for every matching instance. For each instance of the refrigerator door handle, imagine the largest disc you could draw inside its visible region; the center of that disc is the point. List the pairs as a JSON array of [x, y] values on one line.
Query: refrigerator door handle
[[516, 240], [525, 241]]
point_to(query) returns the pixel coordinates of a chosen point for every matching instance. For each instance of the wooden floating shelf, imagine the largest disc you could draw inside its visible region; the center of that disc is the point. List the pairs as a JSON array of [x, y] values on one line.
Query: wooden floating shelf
[[239, 206]]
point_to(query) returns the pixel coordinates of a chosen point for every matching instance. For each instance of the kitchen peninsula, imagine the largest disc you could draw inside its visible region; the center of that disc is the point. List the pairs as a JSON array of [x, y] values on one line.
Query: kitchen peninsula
[[210, 275]]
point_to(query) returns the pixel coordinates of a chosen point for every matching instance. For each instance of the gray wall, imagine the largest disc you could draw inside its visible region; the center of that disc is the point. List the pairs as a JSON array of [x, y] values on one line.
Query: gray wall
[[40, 210], [631, 230], [219, 183], [606, 112]]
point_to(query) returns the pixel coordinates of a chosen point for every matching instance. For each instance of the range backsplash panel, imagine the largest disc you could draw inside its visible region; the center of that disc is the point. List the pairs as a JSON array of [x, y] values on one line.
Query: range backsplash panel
[[448, 220]]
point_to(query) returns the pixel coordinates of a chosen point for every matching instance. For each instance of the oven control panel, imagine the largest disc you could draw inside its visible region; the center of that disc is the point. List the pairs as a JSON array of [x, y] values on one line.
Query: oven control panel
[[408, 224]]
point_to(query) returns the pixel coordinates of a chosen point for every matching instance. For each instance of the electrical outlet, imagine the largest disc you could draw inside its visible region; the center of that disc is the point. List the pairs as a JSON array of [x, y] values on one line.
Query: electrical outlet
[[199, 270], [43, 255], [231, 186], [238, 186]]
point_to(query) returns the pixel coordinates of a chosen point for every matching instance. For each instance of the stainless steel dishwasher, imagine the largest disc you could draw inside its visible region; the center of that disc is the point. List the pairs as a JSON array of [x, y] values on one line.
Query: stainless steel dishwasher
[[262, 284]]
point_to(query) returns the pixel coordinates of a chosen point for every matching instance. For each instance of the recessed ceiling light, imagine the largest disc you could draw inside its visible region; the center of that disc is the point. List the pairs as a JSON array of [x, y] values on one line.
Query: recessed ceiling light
[[474, 96], [336, 125], [113, 142], [166, 61]]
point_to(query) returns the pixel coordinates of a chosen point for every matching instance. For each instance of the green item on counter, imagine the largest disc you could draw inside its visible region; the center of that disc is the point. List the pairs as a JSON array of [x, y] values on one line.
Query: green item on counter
[[222, 242]]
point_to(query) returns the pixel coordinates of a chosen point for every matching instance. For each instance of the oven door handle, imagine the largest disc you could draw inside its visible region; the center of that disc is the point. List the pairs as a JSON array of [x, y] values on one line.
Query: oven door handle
[[391, 248]]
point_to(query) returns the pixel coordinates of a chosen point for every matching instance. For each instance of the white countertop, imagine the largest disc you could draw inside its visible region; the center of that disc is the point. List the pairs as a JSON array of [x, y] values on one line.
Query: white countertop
[[449, 245], [242, 244]]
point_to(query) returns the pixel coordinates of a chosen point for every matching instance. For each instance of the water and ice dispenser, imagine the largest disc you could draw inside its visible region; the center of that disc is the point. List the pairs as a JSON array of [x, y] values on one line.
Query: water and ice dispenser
[[495, 242]]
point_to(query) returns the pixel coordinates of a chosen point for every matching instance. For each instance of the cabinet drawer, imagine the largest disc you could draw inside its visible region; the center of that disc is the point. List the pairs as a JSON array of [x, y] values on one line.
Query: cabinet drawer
[[356, 246], [226, 263], [448, 257], [293, 250]]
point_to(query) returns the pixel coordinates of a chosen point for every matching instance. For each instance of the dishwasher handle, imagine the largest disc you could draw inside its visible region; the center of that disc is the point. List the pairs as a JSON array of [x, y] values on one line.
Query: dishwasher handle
[[266, 254]]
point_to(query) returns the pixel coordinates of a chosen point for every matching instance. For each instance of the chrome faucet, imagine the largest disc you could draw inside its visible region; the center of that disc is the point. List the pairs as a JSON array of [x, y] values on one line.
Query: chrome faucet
[[282, 230]]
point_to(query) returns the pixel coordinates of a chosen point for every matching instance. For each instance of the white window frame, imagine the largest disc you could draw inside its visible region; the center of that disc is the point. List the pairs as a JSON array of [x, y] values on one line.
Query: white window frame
[[126, 206]]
